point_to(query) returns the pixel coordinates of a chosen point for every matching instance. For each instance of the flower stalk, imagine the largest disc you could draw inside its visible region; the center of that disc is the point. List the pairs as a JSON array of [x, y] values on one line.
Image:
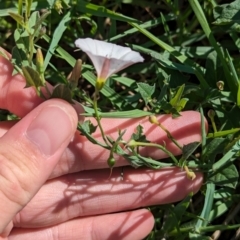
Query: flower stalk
[[107, 58], [133, 143], [98, 118], [154, 120]]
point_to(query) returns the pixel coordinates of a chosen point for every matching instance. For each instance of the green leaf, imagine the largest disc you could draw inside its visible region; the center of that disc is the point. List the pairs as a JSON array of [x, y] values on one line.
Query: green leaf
[[139, 161], [228, 157], [195, 236], [39, 22], [187, 151], [220, 208], [227, 176], [32, 22], [208, 202], [10, 7], [229, 76], [18, 18], [213, 148], [87, 129], [139, 135], [62, 26], [28, 6], [101, 11], [227, 13], [32, 77], [123, 114], [167, 108], [19, 57], [182, 58], [213, 69], [149, 24], [223, 193], [182, 104], [146, 91], [62, 91], [51, 3], [21, 38], [233, 72], [176, 102], [175, 215], [164, 61], [75, 74]]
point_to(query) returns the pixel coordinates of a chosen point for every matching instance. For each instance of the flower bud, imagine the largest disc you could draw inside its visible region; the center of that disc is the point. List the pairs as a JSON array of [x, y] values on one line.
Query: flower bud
[[220, 85], [58, 6], [39, 61], [76, 73], [42, 31], [153, 119], [211, 113]]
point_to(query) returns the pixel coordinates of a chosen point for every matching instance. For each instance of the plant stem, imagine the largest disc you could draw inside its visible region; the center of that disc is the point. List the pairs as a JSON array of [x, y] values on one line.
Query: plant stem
[[31, 46], [169, 135], [95, 107], [143, 144], [20, 3]]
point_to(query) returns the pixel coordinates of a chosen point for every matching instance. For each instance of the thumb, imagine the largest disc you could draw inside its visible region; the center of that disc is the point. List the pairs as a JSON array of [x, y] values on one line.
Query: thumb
[[28, 153]]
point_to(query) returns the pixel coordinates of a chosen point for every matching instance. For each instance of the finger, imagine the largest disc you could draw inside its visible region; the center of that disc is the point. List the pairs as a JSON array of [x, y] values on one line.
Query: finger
[[83, 155], [126, 225], [28, 153], [91, 193], [18, 99], [14, 96]]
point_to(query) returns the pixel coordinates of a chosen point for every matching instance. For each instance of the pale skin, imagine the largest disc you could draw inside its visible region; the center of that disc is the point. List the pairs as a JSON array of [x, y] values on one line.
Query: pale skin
[[44, 192]]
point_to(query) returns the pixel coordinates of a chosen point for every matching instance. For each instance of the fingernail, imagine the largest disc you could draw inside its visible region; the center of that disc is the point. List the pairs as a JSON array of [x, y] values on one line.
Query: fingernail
[[50, 129]]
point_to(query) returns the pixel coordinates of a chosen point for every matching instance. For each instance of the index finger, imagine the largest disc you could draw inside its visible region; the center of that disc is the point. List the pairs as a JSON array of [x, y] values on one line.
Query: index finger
[[81, 154], [14, 96]]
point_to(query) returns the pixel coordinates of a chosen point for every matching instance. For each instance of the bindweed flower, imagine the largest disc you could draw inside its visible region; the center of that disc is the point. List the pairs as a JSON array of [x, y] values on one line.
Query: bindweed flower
[[107, 58]]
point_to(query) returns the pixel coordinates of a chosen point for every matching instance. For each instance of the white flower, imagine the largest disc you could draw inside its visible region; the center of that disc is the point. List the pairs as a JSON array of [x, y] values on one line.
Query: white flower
[[107, 58]]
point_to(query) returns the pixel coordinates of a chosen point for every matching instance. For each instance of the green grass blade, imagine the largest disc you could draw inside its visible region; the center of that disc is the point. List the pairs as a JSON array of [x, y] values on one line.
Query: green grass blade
[[228, 157], [57, 35], [206, 208], [183, 59], [149, 24], [123, 114], [101, 11]]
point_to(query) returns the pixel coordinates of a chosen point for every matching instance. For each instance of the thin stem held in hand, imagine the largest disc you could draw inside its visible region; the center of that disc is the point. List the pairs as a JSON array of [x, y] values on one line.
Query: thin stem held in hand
[[154, 120], [133, 143], [95, 107]]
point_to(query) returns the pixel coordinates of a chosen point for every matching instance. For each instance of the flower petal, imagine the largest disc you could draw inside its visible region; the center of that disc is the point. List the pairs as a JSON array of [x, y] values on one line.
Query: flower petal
[[108, 58], [117, 65]]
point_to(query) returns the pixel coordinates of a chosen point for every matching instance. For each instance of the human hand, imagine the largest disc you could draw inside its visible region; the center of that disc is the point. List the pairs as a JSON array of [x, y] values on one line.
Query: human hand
[[76, 204]]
